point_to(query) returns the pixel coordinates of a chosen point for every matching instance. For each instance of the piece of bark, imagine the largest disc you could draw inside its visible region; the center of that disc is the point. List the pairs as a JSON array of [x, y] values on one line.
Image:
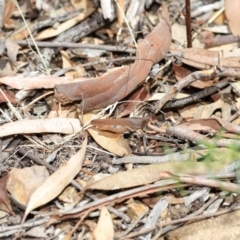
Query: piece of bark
[[100, 92]]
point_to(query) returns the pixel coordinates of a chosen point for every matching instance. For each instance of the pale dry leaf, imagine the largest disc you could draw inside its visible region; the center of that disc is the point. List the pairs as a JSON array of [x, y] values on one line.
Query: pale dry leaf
[[120, 17], [9, 10], [23, 182], [232, 11], [158, 96], [81, 4], [37, 232], [104, 229], [68, 63], [131, 178], [49, 125], [5, 204], [28, 83], [52, 32], [222, 29], [70, 196], [56, 183], [206, 111], [188, 112], [6, 68], [12, 50], [113, 142], [151, 173], [136, 209], [179, 35]]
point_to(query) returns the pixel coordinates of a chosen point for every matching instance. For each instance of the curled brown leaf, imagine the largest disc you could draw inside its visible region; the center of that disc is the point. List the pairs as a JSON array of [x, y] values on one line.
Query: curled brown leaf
[[100, 92]]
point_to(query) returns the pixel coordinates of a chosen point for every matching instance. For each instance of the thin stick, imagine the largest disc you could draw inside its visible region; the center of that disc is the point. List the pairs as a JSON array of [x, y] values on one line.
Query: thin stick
[[76, 45], [188, 23]]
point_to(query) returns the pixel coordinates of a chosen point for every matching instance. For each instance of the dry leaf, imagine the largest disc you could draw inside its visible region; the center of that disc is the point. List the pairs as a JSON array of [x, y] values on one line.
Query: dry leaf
[[67, 63], [206, 111], [188, 112], [179, 35], [56, 183], [182, 72], [131, 178], [4, 199], [48, 125], [9, 9], [121, 125], [70, 196], [28, 83], [134, 99], [8, 95], [113, 142], [6, 68], [104, 229], [151, 173], [232, 11], [23, 182], [12, 50], [209, 125], [206, 59], [115, 85], [38, 232]]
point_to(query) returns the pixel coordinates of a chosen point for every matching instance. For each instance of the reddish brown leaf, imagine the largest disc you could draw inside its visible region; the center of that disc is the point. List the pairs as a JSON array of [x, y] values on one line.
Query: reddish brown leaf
[[114, 86], [137, 96], [9, 96], [182, 72], [120, 125], [210, 125], [205, 59], [4, 199]]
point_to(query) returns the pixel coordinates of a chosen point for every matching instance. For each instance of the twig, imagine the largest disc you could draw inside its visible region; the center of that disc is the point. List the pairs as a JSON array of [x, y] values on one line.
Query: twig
[[138, 191], [220, 40], [199, 138], [188, 23], [76, 45], [64, 70], [183, 83], [195, 97], [198, 75]]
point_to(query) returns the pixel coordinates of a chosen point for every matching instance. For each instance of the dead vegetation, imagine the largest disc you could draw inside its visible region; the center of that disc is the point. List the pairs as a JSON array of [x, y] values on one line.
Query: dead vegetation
[[116, 122]]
